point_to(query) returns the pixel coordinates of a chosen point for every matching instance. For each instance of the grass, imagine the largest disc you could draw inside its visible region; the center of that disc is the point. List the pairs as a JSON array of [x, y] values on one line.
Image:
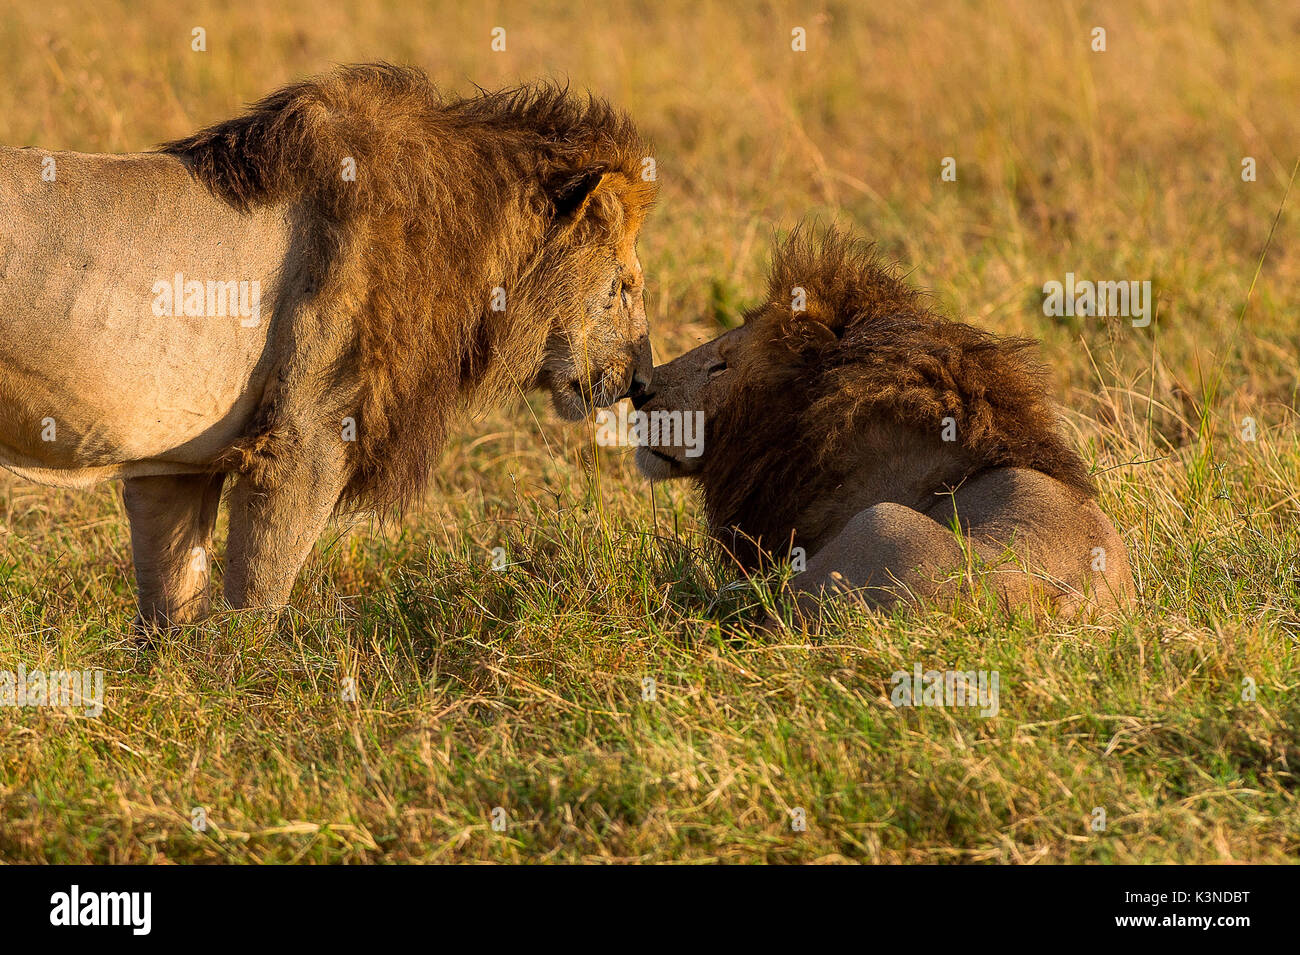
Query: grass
[[523, 688]]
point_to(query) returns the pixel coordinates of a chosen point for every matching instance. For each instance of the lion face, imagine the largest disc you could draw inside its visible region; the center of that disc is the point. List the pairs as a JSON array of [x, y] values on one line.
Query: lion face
[[598, 349], [703, 380]]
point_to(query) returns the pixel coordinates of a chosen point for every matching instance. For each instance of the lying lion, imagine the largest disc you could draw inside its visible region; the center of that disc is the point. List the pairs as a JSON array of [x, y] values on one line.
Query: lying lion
[[900, 451], [299, 298]]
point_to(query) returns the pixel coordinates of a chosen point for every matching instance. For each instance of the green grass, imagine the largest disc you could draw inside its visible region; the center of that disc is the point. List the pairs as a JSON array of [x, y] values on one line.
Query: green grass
[[522, 688]]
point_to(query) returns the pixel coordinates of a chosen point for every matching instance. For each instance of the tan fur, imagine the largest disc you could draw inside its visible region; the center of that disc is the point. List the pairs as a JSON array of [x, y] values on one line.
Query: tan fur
[[825, 432], [377, 306]]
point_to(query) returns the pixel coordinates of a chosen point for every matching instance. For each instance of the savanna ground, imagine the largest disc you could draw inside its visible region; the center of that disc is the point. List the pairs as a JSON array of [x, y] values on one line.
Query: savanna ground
[[522, 688]]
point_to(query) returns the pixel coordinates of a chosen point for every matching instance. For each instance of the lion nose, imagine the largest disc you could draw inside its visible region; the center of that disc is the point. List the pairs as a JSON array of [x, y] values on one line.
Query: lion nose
[[643, 372], [640, 391], [645, 364]]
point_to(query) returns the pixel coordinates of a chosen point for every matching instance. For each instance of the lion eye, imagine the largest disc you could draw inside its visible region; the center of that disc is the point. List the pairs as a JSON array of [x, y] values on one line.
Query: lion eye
[[716, 369], [627, 298]]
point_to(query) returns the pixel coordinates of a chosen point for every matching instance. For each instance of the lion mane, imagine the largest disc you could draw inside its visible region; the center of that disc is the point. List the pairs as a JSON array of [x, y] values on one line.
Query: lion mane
[[866, 349], [450, 198]]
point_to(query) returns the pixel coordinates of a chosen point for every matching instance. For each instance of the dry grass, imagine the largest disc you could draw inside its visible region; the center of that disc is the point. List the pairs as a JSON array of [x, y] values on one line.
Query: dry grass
[[521, 688]]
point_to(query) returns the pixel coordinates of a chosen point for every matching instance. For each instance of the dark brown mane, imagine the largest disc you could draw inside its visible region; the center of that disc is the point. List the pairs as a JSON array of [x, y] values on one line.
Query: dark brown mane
[[867, 349], [290, 144], [451, 198]]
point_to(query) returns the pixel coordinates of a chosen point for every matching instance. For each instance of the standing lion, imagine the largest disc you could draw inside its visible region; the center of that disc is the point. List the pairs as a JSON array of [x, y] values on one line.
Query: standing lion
[[300, 298]]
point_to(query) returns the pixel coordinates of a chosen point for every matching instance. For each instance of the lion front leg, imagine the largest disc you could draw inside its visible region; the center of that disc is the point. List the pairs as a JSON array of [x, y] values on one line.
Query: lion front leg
[[172, 517], [273, 526]]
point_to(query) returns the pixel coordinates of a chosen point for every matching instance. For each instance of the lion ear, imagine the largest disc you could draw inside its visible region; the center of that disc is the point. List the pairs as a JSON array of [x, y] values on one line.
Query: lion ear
[[818, 324], [831, 320], [811, 332], [570, 193]]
